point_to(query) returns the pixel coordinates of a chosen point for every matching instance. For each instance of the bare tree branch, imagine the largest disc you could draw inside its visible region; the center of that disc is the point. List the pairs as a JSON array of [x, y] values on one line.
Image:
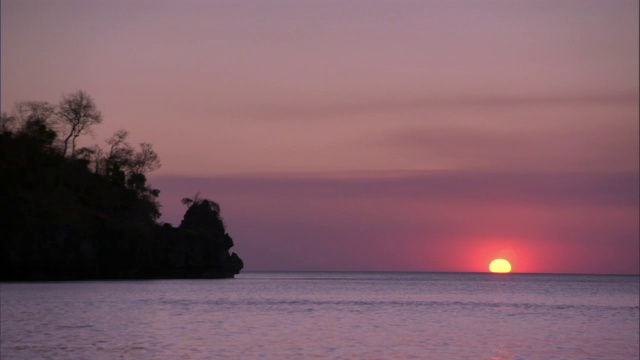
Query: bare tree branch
[[79, 113]]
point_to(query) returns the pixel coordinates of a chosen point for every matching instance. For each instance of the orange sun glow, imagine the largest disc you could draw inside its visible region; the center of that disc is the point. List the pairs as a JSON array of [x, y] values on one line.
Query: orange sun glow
[[500, 266]]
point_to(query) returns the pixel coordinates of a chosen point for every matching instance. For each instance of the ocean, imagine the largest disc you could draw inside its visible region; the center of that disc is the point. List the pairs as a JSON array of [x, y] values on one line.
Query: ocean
[[326, 315]]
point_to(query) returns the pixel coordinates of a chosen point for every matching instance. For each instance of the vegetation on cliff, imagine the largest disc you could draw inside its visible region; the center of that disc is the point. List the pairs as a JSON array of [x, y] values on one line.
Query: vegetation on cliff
[[89, 213]]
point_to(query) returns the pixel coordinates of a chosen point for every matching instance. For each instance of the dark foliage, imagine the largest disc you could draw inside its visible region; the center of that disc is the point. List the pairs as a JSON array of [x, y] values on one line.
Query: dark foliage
[[62, 219]]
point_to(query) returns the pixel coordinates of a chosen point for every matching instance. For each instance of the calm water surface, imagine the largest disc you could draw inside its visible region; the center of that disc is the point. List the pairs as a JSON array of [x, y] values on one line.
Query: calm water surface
[[326, 315]]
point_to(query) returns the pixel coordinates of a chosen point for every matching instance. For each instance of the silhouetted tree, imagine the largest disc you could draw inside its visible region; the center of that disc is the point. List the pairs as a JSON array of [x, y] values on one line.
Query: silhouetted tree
[[36, 111], [144, 161], [189, 201], [92, 154], [136, 182], [118, 146], [118, 157], [92, 214], [7, 123], [197, 200], [37, 129], [78, 113]]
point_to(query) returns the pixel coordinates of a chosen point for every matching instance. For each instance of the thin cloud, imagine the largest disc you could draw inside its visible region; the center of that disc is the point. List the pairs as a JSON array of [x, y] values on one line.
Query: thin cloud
[[326, 109], [535, 188], [582, 147]]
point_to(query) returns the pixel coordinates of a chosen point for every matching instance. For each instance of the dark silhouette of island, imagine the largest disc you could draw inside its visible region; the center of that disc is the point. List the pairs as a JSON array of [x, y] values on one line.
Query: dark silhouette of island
[[69, 213]]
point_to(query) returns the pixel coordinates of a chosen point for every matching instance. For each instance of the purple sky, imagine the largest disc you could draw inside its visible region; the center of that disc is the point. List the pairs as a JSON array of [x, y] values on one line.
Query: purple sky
[[366, 135]]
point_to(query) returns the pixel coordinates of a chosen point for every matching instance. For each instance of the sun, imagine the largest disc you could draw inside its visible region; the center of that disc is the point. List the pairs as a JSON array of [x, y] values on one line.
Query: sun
[[500, 266]]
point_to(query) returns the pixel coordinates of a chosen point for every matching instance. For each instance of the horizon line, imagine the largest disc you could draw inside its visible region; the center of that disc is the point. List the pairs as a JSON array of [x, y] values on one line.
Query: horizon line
[[437, 272]]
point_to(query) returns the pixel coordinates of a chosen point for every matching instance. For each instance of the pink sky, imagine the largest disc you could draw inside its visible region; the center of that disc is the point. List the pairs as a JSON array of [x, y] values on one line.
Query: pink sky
[[366, 135]]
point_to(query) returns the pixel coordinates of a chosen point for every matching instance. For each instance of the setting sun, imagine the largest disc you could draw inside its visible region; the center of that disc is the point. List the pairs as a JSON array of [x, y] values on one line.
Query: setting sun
[[500, 266]]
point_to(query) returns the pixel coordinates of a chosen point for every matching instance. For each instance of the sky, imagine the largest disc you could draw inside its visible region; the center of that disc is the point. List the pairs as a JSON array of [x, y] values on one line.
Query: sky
[[366, 135]]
